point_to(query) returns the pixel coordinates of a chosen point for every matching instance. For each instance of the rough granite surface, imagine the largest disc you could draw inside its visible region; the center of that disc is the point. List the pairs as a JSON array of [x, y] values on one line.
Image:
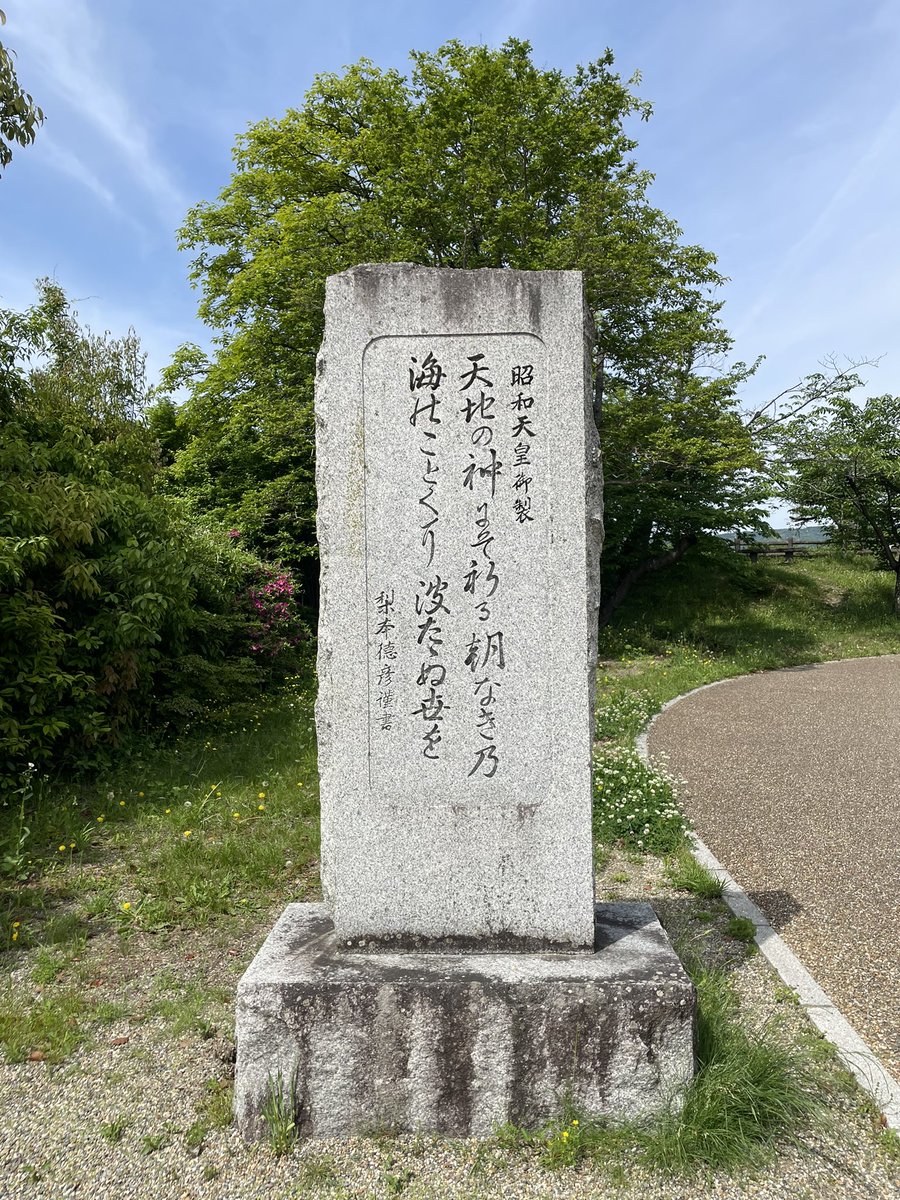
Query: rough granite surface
[[459, 526], [460, 1043]]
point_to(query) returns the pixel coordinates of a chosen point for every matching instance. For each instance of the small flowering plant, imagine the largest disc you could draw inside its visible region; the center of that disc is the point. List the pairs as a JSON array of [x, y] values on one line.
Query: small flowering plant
[[565, 1146], [634, 804], [624, 713]]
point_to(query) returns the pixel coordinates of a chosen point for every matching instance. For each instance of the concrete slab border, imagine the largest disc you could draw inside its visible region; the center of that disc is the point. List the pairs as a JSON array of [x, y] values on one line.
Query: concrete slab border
[[854, 1052]]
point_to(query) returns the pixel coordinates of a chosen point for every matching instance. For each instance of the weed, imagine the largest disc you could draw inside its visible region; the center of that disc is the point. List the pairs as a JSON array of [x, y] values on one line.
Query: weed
[[216, 1108], [317, 1171], [113, 1131], [210, 1172], [108, 1011], [741, 929], [186, 1011], [49, 1027], [749, 1091], [684, 872], [704, 915], [196, 1135], [65, 929], [151, 1142], [15, 863], [48, 965], [620, 877], [889, 1144], [396, 1182], [786, 995], [279, 1115]]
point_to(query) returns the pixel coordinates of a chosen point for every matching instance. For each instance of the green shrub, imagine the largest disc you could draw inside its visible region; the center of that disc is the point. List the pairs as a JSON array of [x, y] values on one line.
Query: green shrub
[[116, 607]]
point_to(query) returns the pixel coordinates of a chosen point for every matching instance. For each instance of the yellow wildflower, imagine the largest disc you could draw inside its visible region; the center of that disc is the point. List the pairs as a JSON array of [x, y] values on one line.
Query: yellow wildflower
[[62, 847], [261, 807], [565, 1134], [126, 906], [168, 810], [122, 802], [187, 833], [141, 794], [237, 816], [261, 796], [101, 819], [16, 924]]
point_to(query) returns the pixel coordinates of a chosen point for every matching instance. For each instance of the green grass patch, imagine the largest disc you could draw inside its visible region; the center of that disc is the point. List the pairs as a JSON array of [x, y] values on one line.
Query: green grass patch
[[750, 1092], [50, 1027], [685, 873], [207, 827], [186, 1009]]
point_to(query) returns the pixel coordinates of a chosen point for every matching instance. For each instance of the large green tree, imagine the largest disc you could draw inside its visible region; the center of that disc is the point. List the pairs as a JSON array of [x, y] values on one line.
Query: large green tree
[[477, 159], [840, 466], [19, 115]]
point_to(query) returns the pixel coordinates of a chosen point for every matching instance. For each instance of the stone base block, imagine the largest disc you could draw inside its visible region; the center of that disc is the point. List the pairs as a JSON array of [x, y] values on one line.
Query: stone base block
[[458, 1043]]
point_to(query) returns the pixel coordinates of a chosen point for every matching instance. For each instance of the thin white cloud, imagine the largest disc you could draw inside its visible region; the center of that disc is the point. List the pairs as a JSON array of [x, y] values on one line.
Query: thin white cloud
[[60, 158], [67, 44], [873, 168]]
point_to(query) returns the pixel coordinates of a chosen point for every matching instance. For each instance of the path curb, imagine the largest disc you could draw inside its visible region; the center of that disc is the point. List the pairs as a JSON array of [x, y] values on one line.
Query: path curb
[[854, 1052]]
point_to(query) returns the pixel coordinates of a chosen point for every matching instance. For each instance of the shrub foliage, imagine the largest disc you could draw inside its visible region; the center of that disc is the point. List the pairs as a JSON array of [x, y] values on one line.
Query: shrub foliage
[[116, 607]]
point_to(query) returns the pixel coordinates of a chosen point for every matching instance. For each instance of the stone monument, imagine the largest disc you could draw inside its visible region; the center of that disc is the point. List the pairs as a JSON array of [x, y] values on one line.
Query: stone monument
[[459, 973]]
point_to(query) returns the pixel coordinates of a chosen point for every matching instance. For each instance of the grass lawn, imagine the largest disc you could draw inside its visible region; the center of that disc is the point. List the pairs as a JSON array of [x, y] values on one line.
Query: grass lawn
[[714, 616]]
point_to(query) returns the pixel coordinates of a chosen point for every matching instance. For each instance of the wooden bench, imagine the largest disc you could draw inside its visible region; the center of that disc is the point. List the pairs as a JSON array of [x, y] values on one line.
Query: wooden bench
[[787, 548]]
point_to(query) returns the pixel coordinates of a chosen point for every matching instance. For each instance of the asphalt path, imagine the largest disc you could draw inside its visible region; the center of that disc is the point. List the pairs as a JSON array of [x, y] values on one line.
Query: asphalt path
[[792, 778]]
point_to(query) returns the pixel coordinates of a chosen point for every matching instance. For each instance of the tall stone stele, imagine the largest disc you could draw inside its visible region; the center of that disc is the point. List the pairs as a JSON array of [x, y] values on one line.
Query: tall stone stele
[[459, 974]]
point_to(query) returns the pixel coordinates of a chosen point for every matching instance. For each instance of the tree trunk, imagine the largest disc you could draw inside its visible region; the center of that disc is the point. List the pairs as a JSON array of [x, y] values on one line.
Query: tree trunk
[[647, 567]]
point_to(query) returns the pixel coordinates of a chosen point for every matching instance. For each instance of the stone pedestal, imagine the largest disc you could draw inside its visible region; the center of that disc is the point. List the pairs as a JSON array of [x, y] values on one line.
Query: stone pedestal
[[458, 1043]]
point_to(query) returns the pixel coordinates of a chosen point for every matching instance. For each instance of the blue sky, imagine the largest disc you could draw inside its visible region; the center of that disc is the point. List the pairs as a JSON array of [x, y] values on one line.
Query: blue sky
[[774, 143]]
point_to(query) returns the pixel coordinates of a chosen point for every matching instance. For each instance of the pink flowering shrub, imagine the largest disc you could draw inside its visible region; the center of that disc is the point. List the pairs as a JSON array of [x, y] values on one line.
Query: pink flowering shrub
[[275, 627]]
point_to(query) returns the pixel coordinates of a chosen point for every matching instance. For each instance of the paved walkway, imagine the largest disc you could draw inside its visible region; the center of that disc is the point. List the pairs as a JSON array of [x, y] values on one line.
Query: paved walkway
[[793, 781]]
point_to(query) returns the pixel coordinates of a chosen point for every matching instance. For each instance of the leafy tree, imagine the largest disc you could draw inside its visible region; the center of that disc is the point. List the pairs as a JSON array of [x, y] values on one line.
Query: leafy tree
[[478, 159], [840, 466], [19, 115]]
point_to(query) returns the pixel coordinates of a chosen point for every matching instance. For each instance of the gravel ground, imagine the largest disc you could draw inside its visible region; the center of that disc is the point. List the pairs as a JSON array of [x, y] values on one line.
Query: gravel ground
[[791, 778], [152, 1076]]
